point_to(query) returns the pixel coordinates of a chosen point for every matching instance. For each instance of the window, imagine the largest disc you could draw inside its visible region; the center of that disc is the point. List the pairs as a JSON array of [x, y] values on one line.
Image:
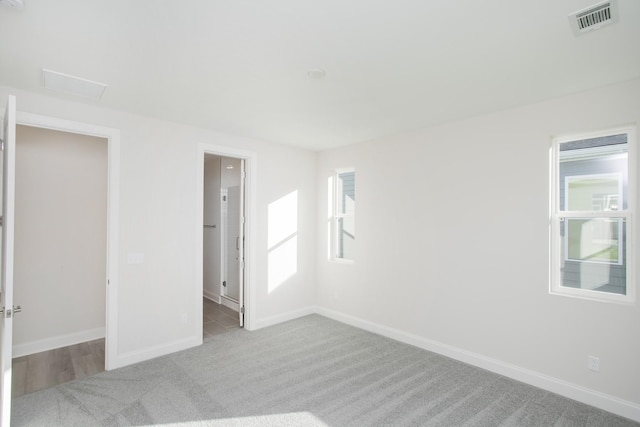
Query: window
[[593, 186], [342, 204]]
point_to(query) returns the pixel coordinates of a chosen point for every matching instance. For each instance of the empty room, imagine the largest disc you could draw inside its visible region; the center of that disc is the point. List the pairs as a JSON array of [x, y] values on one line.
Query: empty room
[[323, 213]]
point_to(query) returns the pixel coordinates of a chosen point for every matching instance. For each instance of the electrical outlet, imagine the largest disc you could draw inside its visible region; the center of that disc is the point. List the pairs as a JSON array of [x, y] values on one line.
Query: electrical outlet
[[593, 363]]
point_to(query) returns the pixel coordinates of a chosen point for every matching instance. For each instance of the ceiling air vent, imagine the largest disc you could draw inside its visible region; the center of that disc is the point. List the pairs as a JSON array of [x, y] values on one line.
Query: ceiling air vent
[[594, 17]]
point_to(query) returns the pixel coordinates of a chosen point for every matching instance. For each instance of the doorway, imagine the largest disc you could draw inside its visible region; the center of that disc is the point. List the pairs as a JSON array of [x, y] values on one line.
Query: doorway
[[60, 257], [246, 301], [223, 244]]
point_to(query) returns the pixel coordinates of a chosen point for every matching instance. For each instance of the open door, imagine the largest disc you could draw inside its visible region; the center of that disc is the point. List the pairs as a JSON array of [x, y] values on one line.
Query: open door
[[232, 218], [241, 247], [8, 196]]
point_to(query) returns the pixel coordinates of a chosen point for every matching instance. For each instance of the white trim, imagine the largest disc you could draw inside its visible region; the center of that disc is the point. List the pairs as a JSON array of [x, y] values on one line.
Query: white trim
[[229, 303], [159, 350], [51, 343], [251, 167], [113, 208], [211, 296], [284, 317], [591, 397]]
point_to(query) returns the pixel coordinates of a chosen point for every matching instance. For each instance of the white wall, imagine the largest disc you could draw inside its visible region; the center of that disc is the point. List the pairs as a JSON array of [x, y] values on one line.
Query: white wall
[[157, 300], [60, 239], [452, 248], [211, 236]]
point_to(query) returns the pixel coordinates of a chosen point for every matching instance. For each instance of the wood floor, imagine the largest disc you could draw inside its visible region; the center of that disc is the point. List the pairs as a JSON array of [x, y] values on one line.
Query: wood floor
[[49, 368], [218, 319], [42, 370]]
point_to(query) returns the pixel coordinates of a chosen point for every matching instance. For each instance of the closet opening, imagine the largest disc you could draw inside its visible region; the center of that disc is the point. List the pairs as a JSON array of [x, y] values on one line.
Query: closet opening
[[223, 237]]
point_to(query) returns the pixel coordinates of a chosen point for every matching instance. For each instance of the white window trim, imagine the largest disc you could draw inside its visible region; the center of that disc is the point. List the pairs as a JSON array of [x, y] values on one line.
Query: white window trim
[[335, 216], [555, 216]]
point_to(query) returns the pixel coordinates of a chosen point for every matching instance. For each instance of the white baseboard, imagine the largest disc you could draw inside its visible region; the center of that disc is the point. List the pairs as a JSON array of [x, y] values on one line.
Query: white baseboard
[[284, 317], [51, 343], [229, 303], [603, 401], [211, 296], [153, 352]]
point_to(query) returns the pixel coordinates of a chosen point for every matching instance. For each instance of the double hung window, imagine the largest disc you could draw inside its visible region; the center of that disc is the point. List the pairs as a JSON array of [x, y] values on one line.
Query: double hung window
[[592, 193], [342, 205]]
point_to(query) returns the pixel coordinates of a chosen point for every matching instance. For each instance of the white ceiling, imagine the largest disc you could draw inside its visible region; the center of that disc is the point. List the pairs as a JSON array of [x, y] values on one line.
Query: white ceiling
[[240, 66]]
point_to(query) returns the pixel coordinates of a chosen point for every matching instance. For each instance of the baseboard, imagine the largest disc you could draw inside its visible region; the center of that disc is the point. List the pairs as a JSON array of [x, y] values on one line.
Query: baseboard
[[284, 317], [229, 303], [572, 391], [153, 352], [211, 296], [58, 341]]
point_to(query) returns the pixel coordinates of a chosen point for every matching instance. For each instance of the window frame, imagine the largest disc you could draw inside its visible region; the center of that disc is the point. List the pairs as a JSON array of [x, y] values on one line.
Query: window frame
[[335, 216], [556, 216]]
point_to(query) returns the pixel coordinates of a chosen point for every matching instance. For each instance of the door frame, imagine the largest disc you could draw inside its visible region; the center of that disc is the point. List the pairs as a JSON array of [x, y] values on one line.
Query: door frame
[[250, 161], [113, 196]]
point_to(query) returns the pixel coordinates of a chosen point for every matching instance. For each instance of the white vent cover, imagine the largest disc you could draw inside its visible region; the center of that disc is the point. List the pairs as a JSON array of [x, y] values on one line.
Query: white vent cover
[[594, 17]]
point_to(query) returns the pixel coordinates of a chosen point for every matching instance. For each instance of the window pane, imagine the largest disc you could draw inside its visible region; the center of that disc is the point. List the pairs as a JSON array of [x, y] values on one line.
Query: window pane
[[593, 192], [593, 174], [346, 193], [596, 240], [593, 256], [346, 237]]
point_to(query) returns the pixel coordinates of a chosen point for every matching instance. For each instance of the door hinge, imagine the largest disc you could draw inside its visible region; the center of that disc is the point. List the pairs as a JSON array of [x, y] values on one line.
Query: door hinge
[[8, 313], [1, 144], [224, 283], [242, 309]]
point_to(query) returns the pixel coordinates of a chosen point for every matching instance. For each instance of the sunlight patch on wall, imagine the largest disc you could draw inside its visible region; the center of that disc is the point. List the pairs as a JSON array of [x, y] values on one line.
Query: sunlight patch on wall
[[282, 240]]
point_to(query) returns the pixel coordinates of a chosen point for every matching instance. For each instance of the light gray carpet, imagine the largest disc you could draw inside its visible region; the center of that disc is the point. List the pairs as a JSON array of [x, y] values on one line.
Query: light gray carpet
[[308, 372]]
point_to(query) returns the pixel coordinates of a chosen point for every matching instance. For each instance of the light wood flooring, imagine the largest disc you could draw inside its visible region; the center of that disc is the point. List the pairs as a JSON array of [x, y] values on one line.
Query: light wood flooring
[[49, 368], [218, 319]]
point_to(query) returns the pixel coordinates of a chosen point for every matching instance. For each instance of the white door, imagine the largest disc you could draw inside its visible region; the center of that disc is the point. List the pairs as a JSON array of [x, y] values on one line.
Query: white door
[[8, 196], [240, 265], [232, 245]]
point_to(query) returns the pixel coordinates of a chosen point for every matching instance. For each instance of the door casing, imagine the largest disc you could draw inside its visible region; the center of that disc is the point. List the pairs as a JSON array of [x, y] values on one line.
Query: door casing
[[113, 181]]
